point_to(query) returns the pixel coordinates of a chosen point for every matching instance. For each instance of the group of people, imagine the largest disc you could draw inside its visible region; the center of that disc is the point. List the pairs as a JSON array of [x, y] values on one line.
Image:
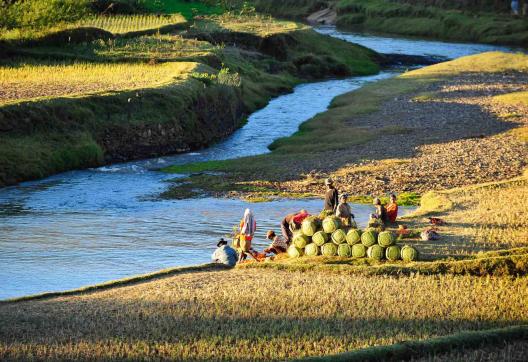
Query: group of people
[[334, 204]]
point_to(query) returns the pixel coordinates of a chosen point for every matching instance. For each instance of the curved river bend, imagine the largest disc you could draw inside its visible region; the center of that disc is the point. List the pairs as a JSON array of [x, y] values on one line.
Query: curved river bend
[[86, 227]]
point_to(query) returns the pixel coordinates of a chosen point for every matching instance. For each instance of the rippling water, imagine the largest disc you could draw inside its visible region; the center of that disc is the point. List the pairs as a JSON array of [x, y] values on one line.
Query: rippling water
[[85, 227]]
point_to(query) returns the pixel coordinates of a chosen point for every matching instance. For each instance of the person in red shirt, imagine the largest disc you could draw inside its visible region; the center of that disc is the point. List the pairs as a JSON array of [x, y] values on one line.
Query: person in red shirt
[[392, 209], [292, 221]]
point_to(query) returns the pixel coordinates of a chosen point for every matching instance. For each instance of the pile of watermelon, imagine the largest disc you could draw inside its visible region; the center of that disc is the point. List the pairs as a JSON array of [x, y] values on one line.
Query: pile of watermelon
[[328, 237]]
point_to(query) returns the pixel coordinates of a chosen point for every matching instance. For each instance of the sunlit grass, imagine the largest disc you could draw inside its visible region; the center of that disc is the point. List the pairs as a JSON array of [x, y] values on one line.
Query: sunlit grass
[[119, 24], [256, 315], [32, 81]]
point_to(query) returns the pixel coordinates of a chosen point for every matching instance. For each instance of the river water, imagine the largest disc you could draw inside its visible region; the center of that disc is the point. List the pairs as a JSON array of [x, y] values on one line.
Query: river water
[[85, 227]]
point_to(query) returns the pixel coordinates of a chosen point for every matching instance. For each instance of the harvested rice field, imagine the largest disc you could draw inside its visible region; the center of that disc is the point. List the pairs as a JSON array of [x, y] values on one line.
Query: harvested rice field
[[30, 81], [256, 315]]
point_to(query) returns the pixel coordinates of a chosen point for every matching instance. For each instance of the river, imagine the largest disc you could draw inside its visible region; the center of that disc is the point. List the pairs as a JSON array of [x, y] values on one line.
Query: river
[[84, 227]]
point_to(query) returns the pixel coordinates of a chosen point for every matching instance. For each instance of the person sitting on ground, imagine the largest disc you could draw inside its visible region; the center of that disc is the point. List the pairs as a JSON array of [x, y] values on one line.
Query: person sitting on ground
[[381, 212], [248, 225], [224, 254], [278, 243], [292, 222], [331, 197], [344, 211], [392, 209]]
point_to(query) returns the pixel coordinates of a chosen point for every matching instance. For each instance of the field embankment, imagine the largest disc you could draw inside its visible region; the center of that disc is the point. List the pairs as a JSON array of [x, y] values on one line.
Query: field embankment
[[448, 20], [103, 89]]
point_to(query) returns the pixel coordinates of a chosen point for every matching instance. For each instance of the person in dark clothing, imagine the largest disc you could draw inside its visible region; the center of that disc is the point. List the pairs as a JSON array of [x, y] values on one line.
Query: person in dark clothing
[[381, 212], [331, 196]]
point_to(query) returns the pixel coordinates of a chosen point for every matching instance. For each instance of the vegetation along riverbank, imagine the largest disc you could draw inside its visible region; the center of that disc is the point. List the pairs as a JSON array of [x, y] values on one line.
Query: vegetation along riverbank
[[95, 89], [483, 21]]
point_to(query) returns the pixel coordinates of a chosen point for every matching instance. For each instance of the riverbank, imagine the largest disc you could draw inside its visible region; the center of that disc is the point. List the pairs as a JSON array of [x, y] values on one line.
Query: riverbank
[[436, 128], [224, 67], [454, 21]]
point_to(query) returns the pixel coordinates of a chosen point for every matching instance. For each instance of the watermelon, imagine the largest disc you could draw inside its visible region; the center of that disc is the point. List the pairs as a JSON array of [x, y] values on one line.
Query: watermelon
[[294, 252], [344, 250], [300, 240], [320, 237], [331, 224], [386, 238], [369, 237], [310, 225], [392, 253], [353, 236], [376, 252], [329, 249], [409, 253], [339, 236], [311, 250], [359, 251]]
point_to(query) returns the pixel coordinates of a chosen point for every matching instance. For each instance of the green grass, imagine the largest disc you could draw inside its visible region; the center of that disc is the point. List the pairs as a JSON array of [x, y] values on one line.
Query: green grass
[[405, 19], [188, 9]]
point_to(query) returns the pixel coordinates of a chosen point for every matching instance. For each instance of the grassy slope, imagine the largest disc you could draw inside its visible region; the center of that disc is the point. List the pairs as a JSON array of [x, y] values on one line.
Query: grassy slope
[[286, 315], [308, 56], [328, 132], [410, 20]]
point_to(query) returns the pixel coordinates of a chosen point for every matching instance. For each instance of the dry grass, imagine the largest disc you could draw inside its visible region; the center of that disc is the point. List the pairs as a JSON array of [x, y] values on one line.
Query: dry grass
[[482, 217], [261, 25], [32, 81], [120, 24], [256, 315]]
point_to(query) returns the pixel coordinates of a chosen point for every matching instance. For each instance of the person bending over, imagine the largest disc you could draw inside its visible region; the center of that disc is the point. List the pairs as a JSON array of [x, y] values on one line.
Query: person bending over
[[292, 222], [278, 243], [224, 254]]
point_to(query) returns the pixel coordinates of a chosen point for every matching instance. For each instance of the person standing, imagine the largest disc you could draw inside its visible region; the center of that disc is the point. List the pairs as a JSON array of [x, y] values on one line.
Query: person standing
[[344, 211], [224, 254], [392, 209], [248, 225], [331, 197]]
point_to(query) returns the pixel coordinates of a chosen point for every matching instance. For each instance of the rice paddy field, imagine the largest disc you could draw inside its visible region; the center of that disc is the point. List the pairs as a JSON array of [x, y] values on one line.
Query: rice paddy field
[[256, 315], [32, 81], [120, 24]]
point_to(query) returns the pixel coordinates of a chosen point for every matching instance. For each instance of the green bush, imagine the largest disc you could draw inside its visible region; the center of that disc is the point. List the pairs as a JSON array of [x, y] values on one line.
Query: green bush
[[353, 236], [386, 238], [331, 224], [320, 237], [294, 252], [409, 253], [329, 249], [339, 236], [392, 253], [344, 250], [369, 237], [376, 252], [311, 250], [359, 251]]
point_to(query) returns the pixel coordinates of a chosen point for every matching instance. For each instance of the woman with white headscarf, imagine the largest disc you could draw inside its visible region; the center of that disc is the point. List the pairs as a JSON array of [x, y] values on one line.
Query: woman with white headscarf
[[248, 225]]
